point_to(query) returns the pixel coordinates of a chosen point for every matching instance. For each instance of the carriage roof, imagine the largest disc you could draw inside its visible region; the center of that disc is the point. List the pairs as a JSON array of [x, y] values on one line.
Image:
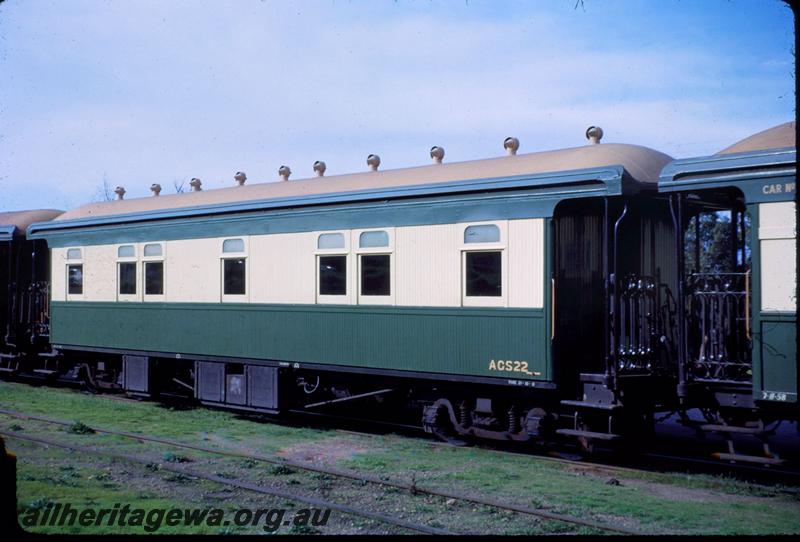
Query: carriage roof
[[777, 137], [640, 164], [16, 222], [763, 166]]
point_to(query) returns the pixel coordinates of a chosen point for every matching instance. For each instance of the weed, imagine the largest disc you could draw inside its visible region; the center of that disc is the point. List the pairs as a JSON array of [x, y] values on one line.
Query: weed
[[303, 529], [170, 457], [177, 478], [80, 428], [41, 503], [281, 470]]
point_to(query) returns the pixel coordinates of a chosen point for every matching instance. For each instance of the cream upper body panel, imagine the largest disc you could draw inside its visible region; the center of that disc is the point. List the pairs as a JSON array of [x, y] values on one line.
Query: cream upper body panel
[[777, 233], [426, 267]]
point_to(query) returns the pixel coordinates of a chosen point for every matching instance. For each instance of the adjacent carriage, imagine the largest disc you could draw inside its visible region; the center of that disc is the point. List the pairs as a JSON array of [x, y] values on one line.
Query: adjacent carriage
[[24, 288]]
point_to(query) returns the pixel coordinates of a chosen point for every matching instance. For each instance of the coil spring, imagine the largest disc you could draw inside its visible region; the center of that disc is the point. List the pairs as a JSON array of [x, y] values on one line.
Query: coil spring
[[513, 420], [463, 414]]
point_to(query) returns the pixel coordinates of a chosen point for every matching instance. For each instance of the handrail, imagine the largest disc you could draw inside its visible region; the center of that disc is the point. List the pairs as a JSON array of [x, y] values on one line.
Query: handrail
[[747, 305], [552, 308]]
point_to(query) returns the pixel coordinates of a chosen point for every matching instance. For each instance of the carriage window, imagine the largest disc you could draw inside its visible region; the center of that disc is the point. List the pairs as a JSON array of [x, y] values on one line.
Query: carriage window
[[153, 278], [233, 245], [74, 254], [333, 275], [233, 273], [483, 274], [153, 250], [127, 278], [717, 242], [373, 239], [330, 240], [487, 233], [75, 279], [126, 251], [375, 274]]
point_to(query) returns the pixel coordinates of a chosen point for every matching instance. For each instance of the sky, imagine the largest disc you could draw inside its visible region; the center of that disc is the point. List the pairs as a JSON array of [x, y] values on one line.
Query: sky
[[138, 92]]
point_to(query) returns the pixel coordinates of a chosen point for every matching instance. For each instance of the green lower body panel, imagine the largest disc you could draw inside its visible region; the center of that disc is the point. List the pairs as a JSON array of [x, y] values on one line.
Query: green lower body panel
[[485, 342], [777, 343]]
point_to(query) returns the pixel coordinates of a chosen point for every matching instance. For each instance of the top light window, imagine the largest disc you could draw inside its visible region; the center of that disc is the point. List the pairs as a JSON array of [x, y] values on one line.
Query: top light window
[[373, 239], [487, 233], [330, 240], [154, 250], [126, 251], [74, 254], [233, 245]]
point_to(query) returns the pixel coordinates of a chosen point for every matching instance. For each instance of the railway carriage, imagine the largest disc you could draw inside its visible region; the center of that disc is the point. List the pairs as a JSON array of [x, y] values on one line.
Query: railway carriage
[[738, 355], [576, 292], [439, 279], [24, 288]]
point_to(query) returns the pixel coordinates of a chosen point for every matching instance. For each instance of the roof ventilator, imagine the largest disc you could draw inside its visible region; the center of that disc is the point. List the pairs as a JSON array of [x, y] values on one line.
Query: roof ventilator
[[373, 161], [319, 168], [196, 184], [437, 154], [155, 188], [511, 145], [594, 134], [284, 172], [240, 178]]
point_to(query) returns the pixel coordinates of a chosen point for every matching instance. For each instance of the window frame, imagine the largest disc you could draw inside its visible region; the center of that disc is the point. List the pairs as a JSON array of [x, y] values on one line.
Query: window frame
[[343, 251], [501, 247], [388, 250], [125, 260], [154, 259], [234, 298], [68, 263]]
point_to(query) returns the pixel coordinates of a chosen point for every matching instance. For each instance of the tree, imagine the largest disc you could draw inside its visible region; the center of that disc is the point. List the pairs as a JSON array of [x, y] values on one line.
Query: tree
[[716, 243], [104, 191]]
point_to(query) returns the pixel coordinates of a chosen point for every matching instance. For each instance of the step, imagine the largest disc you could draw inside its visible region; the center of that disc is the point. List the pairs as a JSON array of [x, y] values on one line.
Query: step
[[584, 404], [593, 377], [732, 429], [44, 371], [762, 460], [588, 434]]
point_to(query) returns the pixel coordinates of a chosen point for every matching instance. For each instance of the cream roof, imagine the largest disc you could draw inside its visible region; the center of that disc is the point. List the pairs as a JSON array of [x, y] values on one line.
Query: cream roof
[[642, 163], [22, 219], [777, 137]]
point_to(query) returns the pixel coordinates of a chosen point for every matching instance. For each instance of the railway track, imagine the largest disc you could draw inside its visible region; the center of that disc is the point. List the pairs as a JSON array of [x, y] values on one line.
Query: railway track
[[652, 461], [321, 503], [411, 487], [656, 461]]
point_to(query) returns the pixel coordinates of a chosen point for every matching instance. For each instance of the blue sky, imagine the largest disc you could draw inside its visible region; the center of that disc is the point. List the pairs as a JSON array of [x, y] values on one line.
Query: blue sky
[[137, 92]]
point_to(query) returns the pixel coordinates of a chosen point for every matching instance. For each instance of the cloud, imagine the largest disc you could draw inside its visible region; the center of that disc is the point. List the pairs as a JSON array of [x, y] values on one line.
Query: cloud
[[155, 92]]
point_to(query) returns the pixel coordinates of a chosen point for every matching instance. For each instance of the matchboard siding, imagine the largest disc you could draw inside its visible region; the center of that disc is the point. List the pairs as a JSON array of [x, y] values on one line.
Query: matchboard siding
[[426, 266], [459, 341], [777, 235]]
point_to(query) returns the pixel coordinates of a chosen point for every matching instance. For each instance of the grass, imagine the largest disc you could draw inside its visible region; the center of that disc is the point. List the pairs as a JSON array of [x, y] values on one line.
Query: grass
[[653, 502]]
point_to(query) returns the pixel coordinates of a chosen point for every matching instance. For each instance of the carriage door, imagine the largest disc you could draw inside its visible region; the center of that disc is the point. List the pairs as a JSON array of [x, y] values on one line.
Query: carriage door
[[718, 286], [578, 289]]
